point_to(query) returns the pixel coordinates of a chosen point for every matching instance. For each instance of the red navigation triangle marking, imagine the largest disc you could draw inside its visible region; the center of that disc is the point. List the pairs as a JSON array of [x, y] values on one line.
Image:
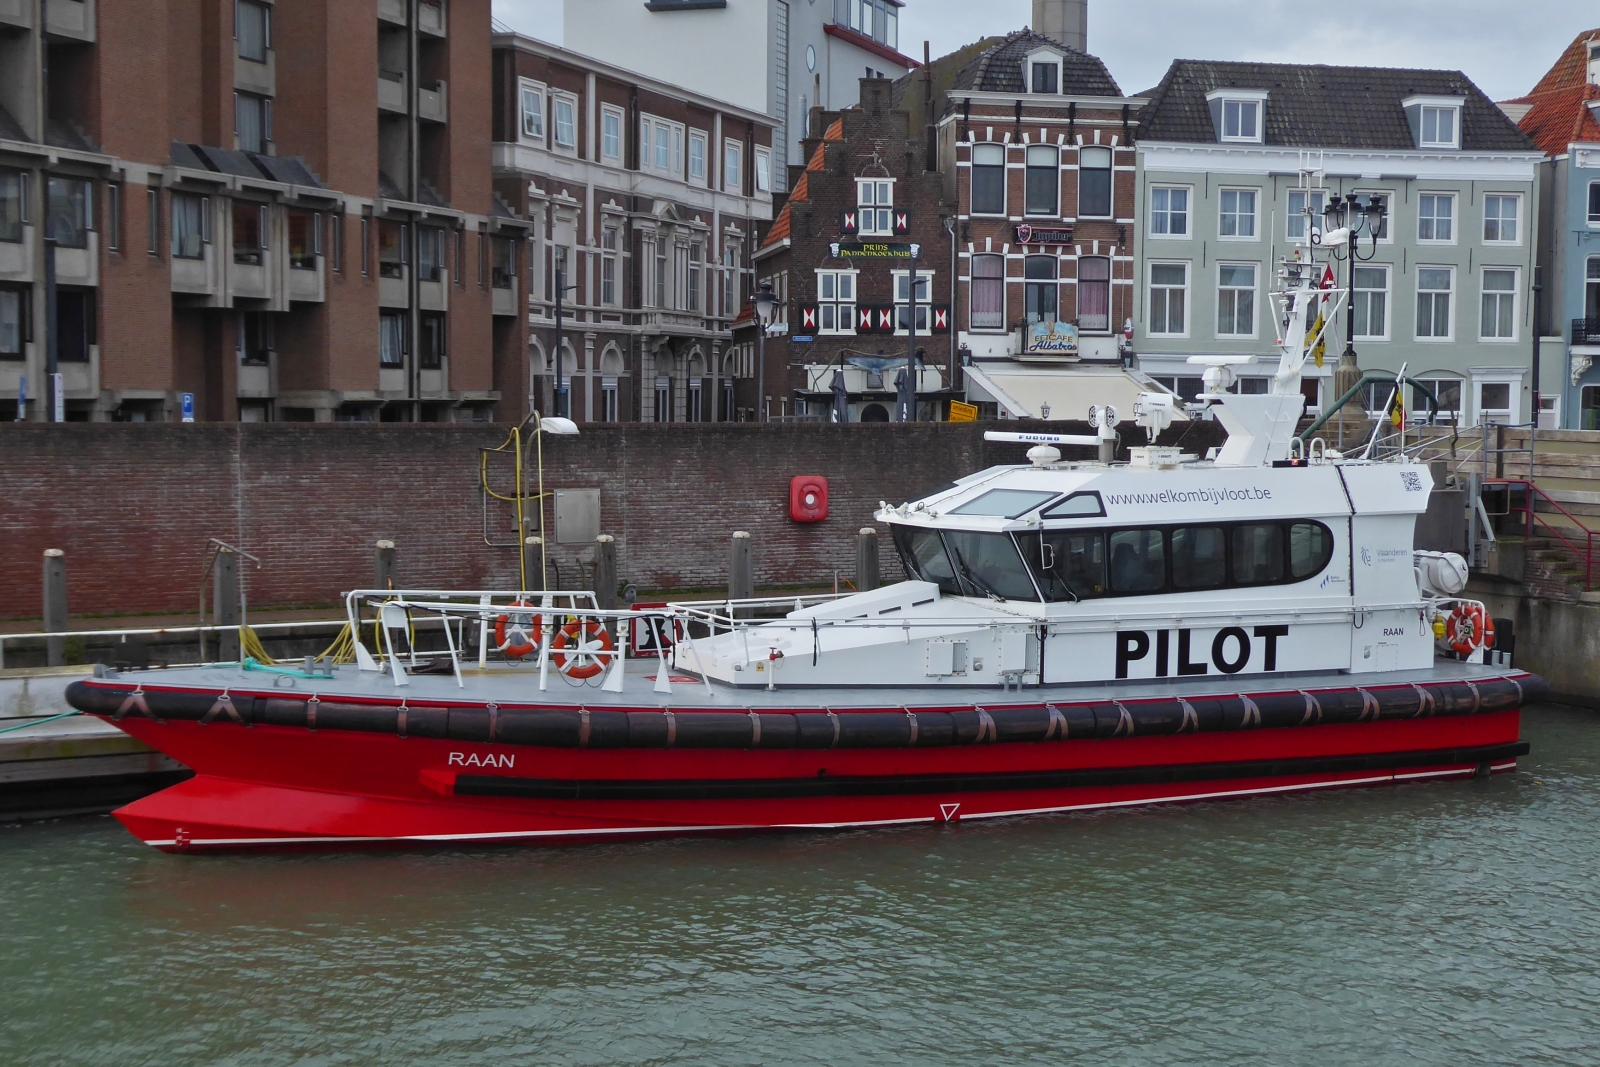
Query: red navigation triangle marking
[[949, 811]]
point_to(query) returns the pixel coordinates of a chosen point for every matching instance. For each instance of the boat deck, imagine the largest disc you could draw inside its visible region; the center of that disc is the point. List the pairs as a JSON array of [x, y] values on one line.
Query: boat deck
[[519, 686]]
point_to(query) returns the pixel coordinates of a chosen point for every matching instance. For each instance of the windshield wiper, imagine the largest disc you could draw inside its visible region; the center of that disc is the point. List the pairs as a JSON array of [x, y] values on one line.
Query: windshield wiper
[[963, 571]]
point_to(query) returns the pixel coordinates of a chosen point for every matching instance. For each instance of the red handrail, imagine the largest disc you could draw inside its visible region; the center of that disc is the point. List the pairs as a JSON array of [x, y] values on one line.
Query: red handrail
[[1532, 517]]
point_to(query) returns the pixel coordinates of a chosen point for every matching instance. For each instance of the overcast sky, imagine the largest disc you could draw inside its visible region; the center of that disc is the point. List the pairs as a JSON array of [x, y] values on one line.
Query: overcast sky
[[1503, 46]]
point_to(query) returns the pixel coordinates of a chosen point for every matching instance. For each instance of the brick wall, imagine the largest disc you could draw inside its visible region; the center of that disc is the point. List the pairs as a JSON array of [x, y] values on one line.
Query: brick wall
[[133, 504]]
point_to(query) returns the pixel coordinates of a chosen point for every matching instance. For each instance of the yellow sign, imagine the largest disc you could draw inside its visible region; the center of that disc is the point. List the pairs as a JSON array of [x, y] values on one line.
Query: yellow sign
[[960, 412]]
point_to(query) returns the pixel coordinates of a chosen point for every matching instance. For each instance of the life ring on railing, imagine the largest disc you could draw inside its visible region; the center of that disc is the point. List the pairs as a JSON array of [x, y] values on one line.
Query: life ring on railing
[[585, 659], [509, 627], [1469, 628]]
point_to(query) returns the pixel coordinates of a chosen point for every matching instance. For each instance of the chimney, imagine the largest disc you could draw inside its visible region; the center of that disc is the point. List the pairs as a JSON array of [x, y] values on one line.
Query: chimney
[[1063, 21]]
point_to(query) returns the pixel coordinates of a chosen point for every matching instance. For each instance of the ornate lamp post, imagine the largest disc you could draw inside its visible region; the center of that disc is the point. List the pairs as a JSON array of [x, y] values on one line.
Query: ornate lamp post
[[765, 300], [1345, 222]]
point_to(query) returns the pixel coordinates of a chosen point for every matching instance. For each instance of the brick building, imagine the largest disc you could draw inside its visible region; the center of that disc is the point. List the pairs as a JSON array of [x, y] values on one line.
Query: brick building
[[1036, 148], [839, 257], [644, 198], [284, 209]]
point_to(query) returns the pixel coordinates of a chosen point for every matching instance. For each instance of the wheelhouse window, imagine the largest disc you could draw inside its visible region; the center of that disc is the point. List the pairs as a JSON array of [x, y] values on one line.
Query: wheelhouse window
[[988, 304], [1169, 211], [1094, 293], [1004, 503], [1257, 554], [249, 232], [1138, 561], [988, 179], [1169, 291], [1199, 558], [68, 212], [1040, 288], [1043, 180], [1094, 182], [190, 230], [13, 204]]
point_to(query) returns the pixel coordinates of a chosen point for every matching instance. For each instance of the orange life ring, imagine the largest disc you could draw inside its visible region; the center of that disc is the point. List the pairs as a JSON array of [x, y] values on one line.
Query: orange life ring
[[1468, 629], [585, 661], [505, 629]]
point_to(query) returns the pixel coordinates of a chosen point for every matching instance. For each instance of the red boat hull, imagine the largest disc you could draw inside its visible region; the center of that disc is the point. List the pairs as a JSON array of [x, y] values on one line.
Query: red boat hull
[[265, 785]]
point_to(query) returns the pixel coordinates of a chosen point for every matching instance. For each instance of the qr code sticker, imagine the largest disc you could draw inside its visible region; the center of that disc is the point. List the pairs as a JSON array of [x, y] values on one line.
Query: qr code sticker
[[1411, 481]]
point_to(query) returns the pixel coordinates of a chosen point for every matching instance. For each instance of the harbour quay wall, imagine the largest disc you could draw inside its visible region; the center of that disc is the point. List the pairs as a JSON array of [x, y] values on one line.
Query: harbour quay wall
[[133, 505]]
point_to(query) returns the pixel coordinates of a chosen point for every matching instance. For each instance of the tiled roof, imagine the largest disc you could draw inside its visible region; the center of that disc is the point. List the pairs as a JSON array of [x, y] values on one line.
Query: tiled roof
[[783, 225], [1316, 106], [1559, 111], [999, 68]]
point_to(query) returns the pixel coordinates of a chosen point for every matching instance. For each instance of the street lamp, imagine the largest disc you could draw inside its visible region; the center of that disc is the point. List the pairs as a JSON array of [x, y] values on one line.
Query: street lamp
[[551, 424], [1344, 222], [765, 300]]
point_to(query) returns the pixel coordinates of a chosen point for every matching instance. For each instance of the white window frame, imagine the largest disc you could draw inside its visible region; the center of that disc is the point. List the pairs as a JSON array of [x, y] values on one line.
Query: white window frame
[[1450, 334], [903, 300], [1387, 237], [1515, 198], [611, 120], [1434, 111], [1239, 100], [1388, 300], [971, 279], [1255, 214], [1255, 301], [524, 87], [1515, 292], [1150, 290], [1188, 212], [609, 259], [1054, 167], [1594, 219], [763, 174], [848, 320], [869, 212], [1005, 192], [648, 240], [651, 129], [1435, 218], [1511, 379], [557, 98], [608, 398], [1313, 224], [732, 165], [1041, 58], [697, 137]]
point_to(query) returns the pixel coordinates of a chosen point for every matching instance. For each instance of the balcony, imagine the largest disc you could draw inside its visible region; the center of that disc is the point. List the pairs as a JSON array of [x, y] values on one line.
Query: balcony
[[73, 19], [392, 91], [392, 11], [1586, 331], [194, 272], [430, 18], [432, 104], [394, 285], [16, 257], [252, 77], [505, 300], [80, 266], [308, 286], [17, 13]]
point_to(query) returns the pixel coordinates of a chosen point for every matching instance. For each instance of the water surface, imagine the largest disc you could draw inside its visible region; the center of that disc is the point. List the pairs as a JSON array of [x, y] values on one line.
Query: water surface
[[1433, 923]]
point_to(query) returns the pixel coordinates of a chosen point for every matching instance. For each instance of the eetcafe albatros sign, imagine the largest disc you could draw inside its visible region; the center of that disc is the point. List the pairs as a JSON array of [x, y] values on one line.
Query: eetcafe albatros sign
[[875, 250], [1038, 235]]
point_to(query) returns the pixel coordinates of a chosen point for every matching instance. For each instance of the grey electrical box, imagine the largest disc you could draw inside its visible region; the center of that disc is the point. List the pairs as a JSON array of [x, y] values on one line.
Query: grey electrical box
[[577, 516]]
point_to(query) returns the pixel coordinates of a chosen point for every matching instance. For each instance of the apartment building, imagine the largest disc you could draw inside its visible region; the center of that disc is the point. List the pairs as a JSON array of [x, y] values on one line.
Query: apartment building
[[1222, 200], [270, 211], [643, 199], [778, 57], [1562, 116]]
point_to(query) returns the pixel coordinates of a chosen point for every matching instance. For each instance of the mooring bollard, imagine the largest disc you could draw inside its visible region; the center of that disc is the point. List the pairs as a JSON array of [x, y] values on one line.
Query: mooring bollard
[[533, 563], [55, 605], [867, 559], [741, 575], [383, 565], [225, 603]]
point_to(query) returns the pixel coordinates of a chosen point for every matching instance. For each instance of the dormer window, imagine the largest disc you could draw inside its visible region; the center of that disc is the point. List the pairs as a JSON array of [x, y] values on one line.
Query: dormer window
[[1041, 72], [1435, 120], [1237, 114]]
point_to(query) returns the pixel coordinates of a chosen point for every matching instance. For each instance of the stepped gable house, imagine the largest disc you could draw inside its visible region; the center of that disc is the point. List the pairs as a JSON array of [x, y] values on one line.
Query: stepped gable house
[[643, 197], [839, 257]]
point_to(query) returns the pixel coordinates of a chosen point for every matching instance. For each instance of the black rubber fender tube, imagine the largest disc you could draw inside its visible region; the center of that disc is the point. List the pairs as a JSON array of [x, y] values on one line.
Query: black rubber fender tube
[[1156, 718], [1280, 709], [874, 729], [1341, 705], [1022, 724], [935, 729], [714, 729]]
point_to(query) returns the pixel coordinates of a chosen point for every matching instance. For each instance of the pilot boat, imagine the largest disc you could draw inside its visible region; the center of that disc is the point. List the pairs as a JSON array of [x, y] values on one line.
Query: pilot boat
[[1071, 635]]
